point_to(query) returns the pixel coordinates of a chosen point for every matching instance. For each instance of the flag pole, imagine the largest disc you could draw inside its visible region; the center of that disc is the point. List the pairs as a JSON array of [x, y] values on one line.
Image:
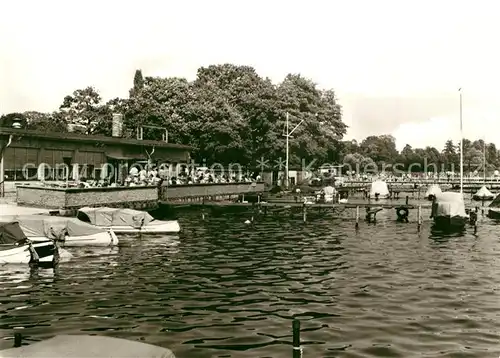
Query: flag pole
[[461, 146]]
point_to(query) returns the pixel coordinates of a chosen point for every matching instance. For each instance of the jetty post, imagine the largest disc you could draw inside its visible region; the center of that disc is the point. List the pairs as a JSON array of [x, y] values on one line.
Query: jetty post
[[419, 218], [18, 340], [357, 217], [304, 212], [473, 217], [297, 349]]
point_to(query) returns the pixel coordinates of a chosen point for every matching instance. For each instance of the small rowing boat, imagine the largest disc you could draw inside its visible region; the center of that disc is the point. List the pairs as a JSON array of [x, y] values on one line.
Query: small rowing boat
[[123, 221], [69, 232], [16, 248], [77, 346]]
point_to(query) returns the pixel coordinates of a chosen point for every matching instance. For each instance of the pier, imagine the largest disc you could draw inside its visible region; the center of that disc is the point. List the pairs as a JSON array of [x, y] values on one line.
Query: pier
[[134, 197]]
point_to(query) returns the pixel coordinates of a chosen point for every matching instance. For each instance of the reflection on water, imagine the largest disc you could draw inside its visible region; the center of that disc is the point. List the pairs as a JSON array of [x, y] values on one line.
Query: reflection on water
[[227, 289]]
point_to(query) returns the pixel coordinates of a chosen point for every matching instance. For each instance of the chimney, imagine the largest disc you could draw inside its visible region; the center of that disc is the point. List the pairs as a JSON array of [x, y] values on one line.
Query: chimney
[[117, 125]]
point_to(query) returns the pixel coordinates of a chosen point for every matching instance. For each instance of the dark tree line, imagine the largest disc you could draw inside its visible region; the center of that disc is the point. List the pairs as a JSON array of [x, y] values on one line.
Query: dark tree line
[[231, 114]]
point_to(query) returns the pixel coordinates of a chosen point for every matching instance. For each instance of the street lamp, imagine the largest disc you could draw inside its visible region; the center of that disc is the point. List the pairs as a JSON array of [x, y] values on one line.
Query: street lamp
[[288, 135]]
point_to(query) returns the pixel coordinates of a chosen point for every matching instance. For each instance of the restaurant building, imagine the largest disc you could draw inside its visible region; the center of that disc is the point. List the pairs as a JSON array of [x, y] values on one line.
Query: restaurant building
[[34, 155]]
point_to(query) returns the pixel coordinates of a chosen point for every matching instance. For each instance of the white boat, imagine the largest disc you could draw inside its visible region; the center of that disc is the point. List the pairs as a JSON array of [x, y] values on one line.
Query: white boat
[[15, 248], [483, 194], [77, 346], [69, 232], [330, 193], [448, 208], [124, 221], [431, 192], [379, 190], [448, 211]]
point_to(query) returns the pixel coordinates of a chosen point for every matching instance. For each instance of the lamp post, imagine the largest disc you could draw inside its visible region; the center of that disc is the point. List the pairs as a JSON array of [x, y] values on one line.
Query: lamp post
[[288, 135]]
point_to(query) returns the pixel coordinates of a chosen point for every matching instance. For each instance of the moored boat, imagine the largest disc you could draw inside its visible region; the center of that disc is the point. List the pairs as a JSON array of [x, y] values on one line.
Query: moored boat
[[76, 346], [431, 192], [448, 211], [494, 208], [124, 221], [16, 248], [69, 232], [483, 194], [379, 190]]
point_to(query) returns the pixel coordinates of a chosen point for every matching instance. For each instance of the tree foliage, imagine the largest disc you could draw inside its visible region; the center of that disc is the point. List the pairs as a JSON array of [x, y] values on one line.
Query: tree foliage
[[83, 109], [229, 113]]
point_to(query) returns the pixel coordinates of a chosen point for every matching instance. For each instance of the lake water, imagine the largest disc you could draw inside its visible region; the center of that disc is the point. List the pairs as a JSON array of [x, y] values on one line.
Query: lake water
[[227, 289]]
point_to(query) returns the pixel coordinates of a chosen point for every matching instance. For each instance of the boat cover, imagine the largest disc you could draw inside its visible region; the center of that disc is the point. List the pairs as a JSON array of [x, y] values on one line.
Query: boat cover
[[11, 233], [329, 193], [108, 217], [484, 193], [78, 346], [379, 187], [449, 204], [433, 190], [329, 190], [52, 226], [496, 202]]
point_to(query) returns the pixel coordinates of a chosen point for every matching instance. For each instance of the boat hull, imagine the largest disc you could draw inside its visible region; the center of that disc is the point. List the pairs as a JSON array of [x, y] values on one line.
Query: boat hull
[[450, 223], [494, 214], [155, 227], [46, 251], [102, 239], [482, 198], [380, 197]]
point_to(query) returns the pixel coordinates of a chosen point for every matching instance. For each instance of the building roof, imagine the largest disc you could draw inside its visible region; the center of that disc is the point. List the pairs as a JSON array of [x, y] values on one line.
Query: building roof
[[91, 138]]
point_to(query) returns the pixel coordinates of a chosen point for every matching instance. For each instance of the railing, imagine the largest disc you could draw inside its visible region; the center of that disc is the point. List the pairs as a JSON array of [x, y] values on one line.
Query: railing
[[178, 192]]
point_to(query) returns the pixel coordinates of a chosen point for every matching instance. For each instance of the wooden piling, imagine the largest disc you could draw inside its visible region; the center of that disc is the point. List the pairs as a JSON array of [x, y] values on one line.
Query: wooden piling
[[357, 217], [297, 350], [419, 218], [304, 212], [407, 198], [18, 339]]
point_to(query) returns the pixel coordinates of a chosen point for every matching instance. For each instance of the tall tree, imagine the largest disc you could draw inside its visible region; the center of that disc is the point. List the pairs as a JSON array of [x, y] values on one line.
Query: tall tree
[[382, 149], [450, 156], [46, 122], [82, 109], [138, 83], [322, 129]]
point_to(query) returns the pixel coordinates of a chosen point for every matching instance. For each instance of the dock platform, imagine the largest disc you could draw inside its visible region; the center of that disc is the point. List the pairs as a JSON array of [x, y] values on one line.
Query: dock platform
[[292, 204]]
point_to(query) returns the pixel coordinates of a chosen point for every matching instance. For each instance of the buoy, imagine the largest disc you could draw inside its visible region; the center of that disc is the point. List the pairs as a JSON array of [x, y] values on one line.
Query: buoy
[[402, 214], [248, 222]]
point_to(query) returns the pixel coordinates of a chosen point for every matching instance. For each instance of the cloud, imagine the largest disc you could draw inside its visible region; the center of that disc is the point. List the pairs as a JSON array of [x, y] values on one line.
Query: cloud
[[477, 123]]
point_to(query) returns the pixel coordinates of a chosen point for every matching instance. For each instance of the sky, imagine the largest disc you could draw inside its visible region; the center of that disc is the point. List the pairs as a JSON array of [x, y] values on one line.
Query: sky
[[396, 66]]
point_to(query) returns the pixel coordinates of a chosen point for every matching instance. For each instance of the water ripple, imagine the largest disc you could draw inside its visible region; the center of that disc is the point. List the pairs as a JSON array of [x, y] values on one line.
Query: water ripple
[[226, 289]]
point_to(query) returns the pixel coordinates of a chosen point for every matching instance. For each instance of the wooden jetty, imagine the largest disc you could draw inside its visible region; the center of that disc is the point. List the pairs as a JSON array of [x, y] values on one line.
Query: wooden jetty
[[288, 204], [290, 207]]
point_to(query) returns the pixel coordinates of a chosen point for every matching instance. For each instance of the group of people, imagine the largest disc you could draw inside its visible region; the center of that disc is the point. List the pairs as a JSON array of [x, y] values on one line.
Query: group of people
[[154, 176]]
